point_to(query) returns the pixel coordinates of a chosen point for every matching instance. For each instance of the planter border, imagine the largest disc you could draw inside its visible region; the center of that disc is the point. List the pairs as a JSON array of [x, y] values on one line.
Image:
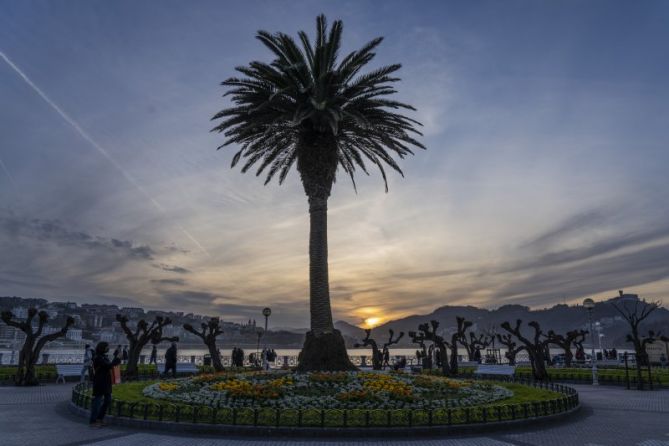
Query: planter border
[[137, 415]]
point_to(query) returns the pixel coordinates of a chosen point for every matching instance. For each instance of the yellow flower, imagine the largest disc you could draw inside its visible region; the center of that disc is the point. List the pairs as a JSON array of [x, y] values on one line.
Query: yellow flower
[[168, 387]]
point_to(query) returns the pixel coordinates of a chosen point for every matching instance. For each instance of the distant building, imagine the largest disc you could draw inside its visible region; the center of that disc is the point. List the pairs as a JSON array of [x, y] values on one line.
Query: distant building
[[133, 312], [657, 350], [624, 298], [20, 312], [107, 336], [74, 334], [8, 334]]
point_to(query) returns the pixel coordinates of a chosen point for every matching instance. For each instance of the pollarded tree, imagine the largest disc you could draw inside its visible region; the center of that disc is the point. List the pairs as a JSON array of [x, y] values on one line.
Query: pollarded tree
[[635, 312], [208, 334], [475, 343], [377, 354], [141, 336], [310, 109], [565, 342], [422, 354], [29, 354], [535, 347], [456, 337], [512, 348], [429, 333]]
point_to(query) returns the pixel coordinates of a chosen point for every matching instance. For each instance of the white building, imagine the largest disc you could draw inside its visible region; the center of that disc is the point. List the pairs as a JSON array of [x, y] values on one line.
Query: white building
[[74, 334], [20, 312]]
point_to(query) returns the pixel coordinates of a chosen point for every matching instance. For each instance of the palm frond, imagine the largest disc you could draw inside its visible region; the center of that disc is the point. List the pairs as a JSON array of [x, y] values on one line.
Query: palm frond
[[304, 94]]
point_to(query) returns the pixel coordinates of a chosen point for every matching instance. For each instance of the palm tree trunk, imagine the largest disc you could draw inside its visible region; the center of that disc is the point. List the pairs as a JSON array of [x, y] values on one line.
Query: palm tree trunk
[[319, 288], [324, 347]]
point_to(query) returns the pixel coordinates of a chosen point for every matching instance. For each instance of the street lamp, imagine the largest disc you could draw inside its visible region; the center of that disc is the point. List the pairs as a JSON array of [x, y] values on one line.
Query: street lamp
[[589, 304], [259, 333], [600, 335], [266, 312]]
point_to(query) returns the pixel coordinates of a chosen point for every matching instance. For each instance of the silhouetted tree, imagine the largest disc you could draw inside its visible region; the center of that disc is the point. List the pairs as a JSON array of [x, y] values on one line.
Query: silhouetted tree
[[462, 325], [512, 348], [565, 342], [428, 332], [536, 347], [377, 354], [140, 337], [635, 313], [475, 343], [421, 355], [29, 354], [208, 334], [308, 109]]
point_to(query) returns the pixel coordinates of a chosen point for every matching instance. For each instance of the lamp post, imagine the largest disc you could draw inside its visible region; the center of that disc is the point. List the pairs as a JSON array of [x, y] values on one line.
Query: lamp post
[[589, 304], [259, 333], [600, 335], [266, 312]]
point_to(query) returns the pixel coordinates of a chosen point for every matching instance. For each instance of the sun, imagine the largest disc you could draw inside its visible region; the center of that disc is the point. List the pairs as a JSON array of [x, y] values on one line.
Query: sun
[[372, 322]]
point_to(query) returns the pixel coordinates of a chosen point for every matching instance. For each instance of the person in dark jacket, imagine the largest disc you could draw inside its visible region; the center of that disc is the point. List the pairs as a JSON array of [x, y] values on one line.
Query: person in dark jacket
[[102, 383], [171, 359], [154, 355], [125, 354]]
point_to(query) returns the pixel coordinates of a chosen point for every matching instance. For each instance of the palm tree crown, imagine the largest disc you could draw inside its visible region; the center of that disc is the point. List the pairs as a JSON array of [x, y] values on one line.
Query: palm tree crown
[[306, 107]]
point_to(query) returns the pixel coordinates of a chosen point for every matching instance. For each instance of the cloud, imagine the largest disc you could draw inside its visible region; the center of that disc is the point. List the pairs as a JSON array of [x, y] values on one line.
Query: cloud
[[173, 268], [570, 226], [53, 231], [177, 282]]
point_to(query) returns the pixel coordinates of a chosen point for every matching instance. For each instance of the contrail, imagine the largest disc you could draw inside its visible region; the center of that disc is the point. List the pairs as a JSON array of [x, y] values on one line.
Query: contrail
[[4, 169], [97, 146]]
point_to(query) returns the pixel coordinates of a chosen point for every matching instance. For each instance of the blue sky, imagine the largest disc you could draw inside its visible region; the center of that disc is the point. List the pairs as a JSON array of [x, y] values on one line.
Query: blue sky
[[544, 180]]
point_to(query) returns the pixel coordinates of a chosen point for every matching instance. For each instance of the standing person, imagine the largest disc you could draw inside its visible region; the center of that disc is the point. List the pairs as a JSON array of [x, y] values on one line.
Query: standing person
[[171, 359], [102, 383], [386, 358], [265, 359], [118, 351], [88, 362], [125, 354], [154, 355]]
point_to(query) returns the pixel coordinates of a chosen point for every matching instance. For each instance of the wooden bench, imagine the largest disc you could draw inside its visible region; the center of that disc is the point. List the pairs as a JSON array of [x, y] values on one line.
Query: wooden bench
[[65, 370], [495, 370], [182, 367]]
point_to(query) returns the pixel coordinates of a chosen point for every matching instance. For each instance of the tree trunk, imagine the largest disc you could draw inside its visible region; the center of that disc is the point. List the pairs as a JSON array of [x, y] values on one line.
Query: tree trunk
[[131, 369], [539, 365], [454, 359], [215, 356], [319, 291], [25, 374], [443, 352], [568, 356], [470, 353], [324, 347]]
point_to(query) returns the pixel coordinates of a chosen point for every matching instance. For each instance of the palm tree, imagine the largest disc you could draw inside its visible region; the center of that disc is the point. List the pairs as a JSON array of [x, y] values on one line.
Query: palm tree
[[306, 108]]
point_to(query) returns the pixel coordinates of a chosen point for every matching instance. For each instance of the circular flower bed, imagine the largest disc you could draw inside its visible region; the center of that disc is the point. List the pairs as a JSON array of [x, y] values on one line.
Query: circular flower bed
[[332, 390]]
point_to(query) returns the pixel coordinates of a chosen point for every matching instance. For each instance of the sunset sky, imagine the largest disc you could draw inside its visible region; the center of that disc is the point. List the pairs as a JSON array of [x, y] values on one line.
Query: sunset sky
[[546, 177]]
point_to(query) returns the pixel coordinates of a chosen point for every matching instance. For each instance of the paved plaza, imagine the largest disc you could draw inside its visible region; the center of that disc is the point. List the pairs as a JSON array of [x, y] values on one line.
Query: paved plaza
[[610, 416]]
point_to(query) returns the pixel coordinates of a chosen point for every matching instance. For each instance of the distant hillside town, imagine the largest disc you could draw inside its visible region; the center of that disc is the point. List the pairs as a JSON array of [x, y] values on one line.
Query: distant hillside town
[[97, 322]]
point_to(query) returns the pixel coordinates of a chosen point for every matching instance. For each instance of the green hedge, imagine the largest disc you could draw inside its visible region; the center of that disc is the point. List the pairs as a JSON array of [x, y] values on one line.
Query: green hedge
[[607, 375], [528, 401]]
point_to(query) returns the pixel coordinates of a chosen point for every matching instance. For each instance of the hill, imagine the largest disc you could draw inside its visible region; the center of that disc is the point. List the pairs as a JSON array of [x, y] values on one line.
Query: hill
[[560, 318]]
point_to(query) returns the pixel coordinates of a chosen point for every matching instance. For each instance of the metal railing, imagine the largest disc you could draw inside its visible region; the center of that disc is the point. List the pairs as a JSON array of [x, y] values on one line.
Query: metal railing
[[346, 418]]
